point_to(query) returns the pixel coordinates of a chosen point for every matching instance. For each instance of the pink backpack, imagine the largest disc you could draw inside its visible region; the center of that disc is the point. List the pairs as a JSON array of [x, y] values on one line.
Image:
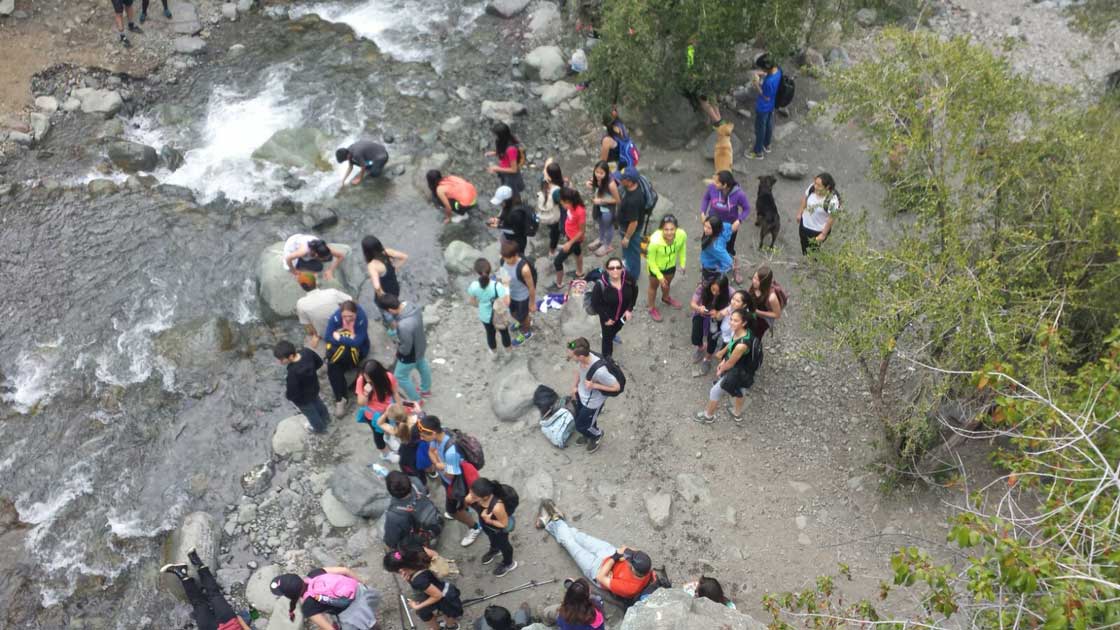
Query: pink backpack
[[332, 589]]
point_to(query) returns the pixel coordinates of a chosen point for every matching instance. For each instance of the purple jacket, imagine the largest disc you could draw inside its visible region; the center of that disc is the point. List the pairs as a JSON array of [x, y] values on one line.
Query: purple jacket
[[734, 208]]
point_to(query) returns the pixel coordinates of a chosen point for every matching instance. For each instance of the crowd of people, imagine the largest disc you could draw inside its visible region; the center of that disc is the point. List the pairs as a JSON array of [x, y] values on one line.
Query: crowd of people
[[730, 314]]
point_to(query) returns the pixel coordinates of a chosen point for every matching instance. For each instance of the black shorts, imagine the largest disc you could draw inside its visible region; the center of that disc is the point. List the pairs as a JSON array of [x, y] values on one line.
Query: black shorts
[[308, 265], [671, 271], [451, 606], [119, 5], [459, 208], [558, 262], [519, 309]]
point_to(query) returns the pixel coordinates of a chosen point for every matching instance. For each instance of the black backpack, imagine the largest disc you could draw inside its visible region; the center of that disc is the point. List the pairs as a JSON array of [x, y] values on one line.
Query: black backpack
[[532, 270], [592, 278], [786, 88], [511, 500], [532, 222], [426, 520], [615, 371]]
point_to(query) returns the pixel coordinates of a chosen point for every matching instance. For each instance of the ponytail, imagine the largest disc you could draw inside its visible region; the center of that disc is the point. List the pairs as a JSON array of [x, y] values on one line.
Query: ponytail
[[482, 268]]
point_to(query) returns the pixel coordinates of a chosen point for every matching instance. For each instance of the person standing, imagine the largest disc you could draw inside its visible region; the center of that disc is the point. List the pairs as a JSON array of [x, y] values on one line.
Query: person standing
[[316, 307], [522, 290], [612, 298], [631, 212], [377, 390], [211, 610], [370, 158], [457, 196], [588, 392], [411, 344], [347, 338], [766, 79], [144, 10], [726, 200], [549, 210], [665, 254], [767, 306], [711, 297], [382, 264], [714, 259], [488, 293], [575, 222], [605, 199], [495, 512], [815, 215], [119, 9], [302, 384], [512, 221], [733, 373], [456, 474], [507, 148], [615, 138]]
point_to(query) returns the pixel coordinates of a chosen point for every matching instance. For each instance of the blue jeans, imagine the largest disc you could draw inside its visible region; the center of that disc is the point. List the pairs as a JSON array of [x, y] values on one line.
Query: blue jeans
[[403, 372], [763, 130], [316, 414], [587, 551], [632, 256], [606, 227]]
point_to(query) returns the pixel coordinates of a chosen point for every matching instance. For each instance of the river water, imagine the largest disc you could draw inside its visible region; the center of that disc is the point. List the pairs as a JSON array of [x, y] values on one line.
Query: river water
[[112, 426]]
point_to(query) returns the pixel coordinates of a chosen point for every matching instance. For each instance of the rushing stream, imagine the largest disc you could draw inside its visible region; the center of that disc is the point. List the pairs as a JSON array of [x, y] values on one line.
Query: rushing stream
[[116, 419]]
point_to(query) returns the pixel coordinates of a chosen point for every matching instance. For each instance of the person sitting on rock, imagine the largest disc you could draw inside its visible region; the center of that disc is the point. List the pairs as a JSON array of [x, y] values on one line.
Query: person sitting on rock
[[316, 308], [304, 252], [411, 518], [211, 610], [369, 157], [454, 194], [324, 592], [624, 572]]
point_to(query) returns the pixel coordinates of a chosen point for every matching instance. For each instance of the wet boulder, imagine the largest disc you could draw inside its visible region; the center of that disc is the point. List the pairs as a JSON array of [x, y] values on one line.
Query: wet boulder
[[196, 349], [674, 609], [506, 8], [299, 147], [459, 257], [170, 157], [362, 492], [511, 396], [502, 111], [545, 63], [200, 531], [132, 157], [105, 102], [278, 290], [99, 187]]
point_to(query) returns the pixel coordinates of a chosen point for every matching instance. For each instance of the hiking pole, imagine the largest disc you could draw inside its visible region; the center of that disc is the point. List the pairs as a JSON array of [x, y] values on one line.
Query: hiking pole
[[527, 585], [406, 612]]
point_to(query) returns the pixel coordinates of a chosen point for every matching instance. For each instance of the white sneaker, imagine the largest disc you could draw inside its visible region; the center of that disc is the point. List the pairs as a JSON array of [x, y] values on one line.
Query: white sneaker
[[458, 218], [393, 442], [307, 427], [472, 535], [391, 457]]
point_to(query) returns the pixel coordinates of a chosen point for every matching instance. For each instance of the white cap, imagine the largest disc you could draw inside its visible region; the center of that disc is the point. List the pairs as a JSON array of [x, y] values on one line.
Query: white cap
[[502, 194]]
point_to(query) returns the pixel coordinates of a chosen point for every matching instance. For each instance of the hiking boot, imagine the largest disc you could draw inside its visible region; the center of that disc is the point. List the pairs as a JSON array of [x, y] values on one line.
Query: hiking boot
[[192, 555], [340, 408], [593, 444], [134, 29], [471, 536], [167, 13], [178, 570], [489, 556], [503, 569], [655, 314], [548, 513]]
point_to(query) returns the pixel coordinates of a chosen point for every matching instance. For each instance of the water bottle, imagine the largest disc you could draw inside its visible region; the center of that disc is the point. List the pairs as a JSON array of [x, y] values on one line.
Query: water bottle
[[380, 470]]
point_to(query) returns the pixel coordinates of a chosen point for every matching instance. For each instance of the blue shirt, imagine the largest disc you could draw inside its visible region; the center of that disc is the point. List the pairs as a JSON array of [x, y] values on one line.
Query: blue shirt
[[452, 461], [486, 298], [715, 255], [769, 95]]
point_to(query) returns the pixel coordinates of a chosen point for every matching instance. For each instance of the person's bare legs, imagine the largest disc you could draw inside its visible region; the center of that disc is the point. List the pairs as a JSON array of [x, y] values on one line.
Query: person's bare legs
[[579, 264], [651, 293]]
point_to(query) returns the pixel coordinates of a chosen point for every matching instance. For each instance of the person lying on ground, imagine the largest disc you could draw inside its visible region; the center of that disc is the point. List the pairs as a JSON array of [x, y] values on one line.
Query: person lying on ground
[[211, 610]]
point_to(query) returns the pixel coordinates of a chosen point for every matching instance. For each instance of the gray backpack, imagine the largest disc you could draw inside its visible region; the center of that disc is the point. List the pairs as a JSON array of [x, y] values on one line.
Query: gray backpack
[[558, 426]]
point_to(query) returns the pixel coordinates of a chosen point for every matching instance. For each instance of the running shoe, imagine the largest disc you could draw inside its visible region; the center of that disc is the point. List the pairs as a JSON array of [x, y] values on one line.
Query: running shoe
[[521, 338], [593, 444], [671, 301], [143, 16], [192, 555], [655, 314], [125, 42], [178, 570], [503, 569], [133, 28], [472, 535], [704, 418], [489, 556]]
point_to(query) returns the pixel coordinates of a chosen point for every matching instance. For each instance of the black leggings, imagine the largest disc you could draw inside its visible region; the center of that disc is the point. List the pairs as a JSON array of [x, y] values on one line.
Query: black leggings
[[553, 236], [492, 336], [378, 437], [210, 607], [699, 333], [731, 244], [499, 541], [609, 333], [144, 6], [336, 374], [807, 239]]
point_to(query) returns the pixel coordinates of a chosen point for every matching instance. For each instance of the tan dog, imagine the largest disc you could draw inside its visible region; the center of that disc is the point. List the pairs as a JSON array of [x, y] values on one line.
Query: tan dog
[[723, 154]]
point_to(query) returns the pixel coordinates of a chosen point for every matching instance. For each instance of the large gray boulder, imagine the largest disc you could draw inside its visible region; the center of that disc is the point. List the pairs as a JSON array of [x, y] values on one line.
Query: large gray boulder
[[278, 291], [200, 531], [337, 514], [278, 619], [506, 8], [132, 157], [793, 170], [545, 63], [7, 7], [105, 102], [196, 349], [290, 438], [300, 147], [511, 396], [360, 490], [545, 22], [674, 609], [556, 93], [502, 111], [185, 20], [189, 45], [459, 257]]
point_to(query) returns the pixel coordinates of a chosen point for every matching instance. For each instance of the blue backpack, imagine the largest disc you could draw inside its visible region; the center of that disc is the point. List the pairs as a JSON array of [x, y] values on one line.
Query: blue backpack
[[627, 152]]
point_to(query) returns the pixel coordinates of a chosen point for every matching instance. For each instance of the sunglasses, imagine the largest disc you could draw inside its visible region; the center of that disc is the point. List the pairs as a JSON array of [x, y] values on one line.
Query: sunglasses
[[613, 268]]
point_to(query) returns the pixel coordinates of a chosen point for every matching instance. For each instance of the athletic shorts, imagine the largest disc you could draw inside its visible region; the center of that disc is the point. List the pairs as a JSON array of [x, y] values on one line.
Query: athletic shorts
[[671, 271], [450, 606], [561, 256], [119, 5], [519, 309], [459, 208]]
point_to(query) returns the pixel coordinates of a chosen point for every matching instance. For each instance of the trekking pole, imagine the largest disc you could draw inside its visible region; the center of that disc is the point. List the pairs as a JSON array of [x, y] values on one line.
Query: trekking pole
[[406, 612], [527, 585]]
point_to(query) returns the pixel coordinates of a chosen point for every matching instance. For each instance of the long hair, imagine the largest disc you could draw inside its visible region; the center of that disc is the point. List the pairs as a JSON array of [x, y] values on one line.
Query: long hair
[[375, 374], [503, 138], [717, 230], [765, 283], [829, 183], [572, 196], [412, 558], [728, 180], [716, 302], [372, 249], [577, 607], [433, 176], [482, 268], [483, 487], [710, 588], [554, 175], [601, 186]]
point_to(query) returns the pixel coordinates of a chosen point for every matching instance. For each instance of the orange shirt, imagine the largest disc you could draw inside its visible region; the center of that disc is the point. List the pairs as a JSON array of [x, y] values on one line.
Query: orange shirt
[[623, 581], [459, 189]]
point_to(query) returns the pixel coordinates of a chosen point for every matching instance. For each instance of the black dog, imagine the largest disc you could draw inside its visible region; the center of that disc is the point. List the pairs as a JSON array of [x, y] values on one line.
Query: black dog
[[767, 218]]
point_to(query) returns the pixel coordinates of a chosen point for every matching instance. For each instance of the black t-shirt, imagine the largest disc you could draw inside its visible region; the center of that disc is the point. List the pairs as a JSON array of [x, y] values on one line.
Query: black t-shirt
[[631, 209], [302, 381], [421, 580], [369, 155], [312, 607]]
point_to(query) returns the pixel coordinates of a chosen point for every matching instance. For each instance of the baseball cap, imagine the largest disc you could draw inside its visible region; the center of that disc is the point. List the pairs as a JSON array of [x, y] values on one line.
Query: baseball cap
[[630, 173], [639, 562], [287, 585], [502, 194]]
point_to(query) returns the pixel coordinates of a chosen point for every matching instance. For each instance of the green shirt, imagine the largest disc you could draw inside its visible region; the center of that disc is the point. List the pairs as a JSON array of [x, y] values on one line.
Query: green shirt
[[662, 256]]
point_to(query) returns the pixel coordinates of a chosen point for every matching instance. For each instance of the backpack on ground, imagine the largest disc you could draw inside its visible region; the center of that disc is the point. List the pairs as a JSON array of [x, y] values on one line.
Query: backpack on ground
[[545, 399], [532, 270], [786, 88], [615, 371], [627, 152], [783, 297], [511, 500], [470, 449], [558, 426]]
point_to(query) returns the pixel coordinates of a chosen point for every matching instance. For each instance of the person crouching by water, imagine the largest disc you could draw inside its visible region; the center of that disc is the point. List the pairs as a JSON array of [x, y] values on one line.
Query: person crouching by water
[[455, 195], [307, 253], [369, 157]]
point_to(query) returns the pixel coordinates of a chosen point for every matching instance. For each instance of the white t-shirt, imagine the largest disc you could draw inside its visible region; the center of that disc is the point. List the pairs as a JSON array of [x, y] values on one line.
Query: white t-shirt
[[318, 305], [817, 210], [294, 243], [593, 398]]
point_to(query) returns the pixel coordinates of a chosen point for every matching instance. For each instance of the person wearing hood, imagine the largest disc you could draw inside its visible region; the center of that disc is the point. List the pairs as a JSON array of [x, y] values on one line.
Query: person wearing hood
[[726, 200], [411, 344], [347, 338]]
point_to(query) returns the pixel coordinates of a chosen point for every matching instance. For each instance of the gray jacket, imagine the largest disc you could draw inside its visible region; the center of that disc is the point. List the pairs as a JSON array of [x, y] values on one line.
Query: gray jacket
[[410, 334]]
